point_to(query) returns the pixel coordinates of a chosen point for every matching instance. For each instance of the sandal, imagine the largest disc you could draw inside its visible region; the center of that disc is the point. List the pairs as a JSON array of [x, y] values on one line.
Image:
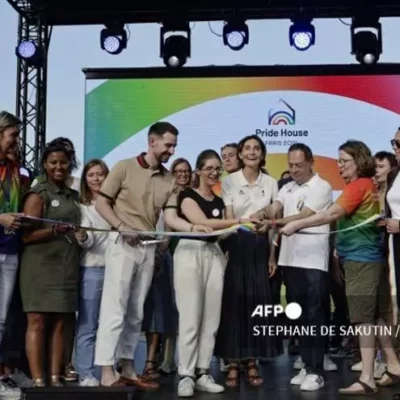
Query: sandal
[[365, 390], [391, 380], [151, 372], [38, 382], [55, 381], [233, 376], [253, 375]]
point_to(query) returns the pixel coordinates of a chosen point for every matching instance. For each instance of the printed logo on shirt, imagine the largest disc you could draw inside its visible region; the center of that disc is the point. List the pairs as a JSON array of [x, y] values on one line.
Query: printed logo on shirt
[[55, 203]]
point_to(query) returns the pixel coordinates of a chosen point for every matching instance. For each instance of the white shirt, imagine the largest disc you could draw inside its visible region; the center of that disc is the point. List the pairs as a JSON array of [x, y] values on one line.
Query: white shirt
[[393, 198], [94, 248], [246, 198], [306, 251]]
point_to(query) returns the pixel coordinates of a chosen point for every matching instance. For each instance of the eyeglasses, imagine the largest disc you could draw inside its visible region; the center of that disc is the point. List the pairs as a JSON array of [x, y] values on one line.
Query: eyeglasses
[[209, 170], [343, 161], [395, 143]]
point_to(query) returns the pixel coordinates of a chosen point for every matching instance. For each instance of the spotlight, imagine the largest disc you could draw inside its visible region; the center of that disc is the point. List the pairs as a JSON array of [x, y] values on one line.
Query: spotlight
[[302, 34], [28, 51], [113, 39], [235, 34], [175, 49], [366, 40]]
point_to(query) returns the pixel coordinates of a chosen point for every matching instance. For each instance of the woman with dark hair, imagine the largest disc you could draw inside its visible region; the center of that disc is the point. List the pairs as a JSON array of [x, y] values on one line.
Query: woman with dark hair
[[91, 272], [199, 267], [361, 254], [50, 264], [247, 277], [72, 182], [160, 314]]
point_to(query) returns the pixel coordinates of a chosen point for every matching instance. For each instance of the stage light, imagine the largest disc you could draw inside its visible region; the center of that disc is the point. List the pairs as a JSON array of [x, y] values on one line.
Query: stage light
[[113, 39], [29, 52], [302, 34], [235, 34], [366, 40], [175, 49], [26, 50], [175, 52]]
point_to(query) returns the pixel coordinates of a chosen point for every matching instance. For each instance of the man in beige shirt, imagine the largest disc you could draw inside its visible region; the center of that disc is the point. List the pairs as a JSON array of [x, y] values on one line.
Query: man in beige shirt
[[132, 197]]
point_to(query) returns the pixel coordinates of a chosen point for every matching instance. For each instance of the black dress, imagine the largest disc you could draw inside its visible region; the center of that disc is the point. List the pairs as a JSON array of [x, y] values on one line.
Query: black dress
[[247, 285]]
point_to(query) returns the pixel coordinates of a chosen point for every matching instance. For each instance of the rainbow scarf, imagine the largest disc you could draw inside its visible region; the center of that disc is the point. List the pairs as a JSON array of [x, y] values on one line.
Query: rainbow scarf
[[10, 187]]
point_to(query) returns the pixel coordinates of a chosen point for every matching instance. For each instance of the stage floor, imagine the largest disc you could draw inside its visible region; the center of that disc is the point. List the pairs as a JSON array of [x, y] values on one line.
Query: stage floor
[[276, 373]]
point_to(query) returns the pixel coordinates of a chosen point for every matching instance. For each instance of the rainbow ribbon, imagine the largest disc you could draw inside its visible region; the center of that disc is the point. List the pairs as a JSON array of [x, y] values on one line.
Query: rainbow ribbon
[[220, 232], [248, 227]]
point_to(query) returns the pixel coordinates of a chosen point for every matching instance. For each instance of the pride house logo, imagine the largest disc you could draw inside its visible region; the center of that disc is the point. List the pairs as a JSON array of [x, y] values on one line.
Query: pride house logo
[[283, 115]]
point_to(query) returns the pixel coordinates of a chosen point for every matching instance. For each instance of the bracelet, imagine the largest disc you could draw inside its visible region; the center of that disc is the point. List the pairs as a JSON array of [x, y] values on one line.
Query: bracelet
[[121, 223]]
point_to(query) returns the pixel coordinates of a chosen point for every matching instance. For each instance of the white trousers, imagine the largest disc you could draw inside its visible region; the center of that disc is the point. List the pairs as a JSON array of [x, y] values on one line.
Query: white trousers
[[127, 279], [199, 269]]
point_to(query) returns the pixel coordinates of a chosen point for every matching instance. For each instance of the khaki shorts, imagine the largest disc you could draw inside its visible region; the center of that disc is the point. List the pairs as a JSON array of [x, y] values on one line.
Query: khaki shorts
[[367, 291]]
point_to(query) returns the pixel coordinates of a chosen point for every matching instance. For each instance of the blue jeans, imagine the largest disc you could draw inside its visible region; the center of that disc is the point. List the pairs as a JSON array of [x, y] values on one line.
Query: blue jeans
[[91, 288], [8, 275]]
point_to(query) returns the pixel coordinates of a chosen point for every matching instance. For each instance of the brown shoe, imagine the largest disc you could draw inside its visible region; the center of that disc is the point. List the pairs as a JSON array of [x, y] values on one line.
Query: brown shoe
[[141, 382], [117, 383]]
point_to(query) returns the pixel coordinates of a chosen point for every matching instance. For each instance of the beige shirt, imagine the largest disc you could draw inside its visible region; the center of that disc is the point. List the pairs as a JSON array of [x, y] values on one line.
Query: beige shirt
[[139, 193]]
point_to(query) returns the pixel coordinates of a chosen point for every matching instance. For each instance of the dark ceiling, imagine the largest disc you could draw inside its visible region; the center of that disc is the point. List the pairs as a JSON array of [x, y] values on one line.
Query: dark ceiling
[[86, 12]]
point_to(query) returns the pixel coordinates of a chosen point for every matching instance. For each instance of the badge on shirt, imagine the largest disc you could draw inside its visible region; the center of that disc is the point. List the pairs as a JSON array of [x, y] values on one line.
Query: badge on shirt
[[215, 212], [55, 203], [300, 205]]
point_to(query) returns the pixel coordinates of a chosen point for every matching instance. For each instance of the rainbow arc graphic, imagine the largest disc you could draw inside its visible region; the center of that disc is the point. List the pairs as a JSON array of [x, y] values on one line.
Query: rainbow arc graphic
[[283, 116]]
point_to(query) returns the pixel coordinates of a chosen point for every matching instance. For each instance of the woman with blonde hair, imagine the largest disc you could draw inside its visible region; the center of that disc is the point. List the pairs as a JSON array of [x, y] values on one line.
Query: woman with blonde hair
[[91, 271]]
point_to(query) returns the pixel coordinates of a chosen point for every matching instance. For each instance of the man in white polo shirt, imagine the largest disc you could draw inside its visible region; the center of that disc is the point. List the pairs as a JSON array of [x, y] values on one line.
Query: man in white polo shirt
[[304, 258]]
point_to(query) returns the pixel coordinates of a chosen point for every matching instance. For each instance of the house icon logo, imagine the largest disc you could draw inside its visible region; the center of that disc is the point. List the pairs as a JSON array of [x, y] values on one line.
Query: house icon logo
[[282, 114]]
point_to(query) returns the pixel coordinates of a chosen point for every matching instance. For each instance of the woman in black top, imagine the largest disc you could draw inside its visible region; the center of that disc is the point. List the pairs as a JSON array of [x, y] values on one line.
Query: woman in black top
[[199, 267]]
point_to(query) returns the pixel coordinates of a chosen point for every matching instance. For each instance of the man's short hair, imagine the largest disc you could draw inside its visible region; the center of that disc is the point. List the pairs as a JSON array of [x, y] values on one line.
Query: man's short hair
[[308, 154], [161, 128]]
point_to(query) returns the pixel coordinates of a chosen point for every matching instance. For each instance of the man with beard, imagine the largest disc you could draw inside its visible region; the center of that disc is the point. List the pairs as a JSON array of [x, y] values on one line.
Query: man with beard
[[131, 198]]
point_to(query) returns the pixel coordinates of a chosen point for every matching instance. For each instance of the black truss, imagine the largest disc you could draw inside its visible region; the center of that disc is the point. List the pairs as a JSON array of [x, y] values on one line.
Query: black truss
[[32, 93], [86, 12], [36, 16]]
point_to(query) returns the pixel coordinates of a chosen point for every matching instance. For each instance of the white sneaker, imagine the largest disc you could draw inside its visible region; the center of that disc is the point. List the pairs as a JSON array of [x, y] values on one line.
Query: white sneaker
[[89, 382], [379, 369], [207, 384], [357, 367], [9, 390], [312, 382], [329, 365], [222, 366], [298, 364], [21, 380], [186, 387], [299, 378]]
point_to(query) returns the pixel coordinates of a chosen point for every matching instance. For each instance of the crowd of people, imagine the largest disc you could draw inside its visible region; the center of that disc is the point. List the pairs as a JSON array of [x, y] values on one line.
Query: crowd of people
[[79, 283]]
